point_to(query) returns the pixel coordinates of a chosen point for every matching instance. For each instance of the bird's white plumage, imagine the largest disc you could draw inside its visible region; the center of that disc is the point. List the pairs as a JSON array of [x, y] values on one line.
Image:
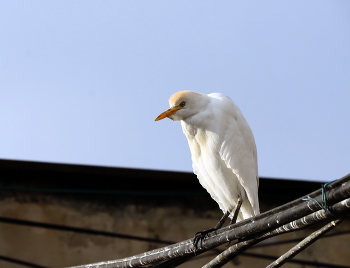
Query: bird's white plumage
[[223, 149]]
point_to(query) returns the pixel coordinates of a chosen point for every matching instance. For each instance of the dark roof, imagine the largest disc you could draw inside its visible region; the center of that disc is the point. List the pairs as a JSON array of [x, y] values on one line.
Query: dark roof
[[83, 177]]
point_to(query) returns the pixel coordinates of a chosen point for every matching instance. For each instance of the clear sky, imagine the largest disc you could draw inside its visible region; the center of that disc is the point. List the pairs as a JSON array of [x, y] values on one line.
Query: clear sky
[[82, 81]]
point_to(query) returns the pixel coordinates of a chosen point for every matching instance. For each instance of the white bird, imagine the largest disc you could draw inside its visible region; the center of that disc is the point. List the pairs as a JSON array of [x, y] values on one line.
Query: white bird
[[224, 155]]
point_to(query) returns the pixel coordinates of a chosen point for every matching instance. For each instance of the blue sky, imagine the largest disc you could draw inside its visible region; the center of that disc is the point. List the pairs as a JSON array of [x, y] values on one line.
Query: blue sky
[[82, 81]]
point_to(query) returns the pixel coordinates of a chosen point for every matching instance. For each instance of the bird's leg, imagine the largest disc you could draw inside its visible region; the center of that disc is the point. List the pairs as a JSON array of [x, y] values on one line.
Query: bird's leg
[[238, 207], [199, 236], [221, 221], [235, 214]]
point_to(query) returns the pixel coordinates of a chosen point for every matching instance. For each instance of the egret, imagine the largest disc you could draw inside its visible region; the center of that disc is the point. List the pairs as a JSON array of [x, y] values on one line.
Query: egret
[[223, 151]]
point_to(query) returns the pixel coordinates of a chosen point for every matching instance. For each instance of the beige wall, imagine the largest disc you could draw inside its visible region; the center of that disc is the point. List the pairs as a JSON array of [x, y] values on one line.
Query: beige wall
[[172, 218]]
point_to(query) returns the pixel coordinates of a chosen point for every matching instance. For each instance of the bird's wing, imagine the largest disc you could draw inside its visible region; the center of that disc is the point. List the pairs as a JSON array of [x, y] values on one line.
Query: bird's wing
[[203, 178], [238, 149], [199, 166]]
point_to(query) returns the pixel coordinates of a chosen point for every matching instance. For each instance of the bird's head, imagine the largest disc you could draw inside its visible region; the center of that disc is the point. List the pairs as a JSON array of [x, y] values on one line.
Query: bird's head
[[184, 104]]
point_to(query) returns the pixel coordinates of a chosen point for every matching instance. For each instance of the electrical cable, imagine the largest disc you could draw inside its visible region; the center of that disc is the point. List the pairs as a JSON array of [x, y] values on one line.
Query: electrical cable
[[20, 262], [139, 238]]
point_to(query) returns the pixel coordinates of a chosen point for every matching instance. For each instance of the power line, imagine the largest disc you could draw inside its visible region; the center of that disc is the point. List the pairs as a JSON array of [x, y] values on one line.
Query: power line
[[80, 230], [295, 209], [296, 261], [139, 238], [297, 240], [20, 262], [292, 216]]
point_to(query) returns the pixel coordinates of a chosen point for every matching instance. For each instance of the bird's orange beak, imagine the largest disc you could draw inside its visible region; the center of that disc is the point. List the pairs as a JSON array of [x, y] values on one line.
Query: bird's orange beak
[[168, 113]]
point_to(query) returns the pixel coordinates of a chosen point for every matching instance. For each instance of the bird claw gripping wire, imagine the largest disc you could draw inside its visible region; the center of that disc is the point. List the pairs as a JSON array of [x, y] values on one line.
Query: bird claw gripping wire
[[324, 204], [200, 237]]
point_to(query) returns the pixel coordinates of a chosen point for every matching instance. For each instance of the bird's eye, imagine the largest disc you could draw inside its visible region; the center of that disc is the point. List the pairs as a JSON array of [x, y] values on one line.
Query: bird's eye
[[183, 103]]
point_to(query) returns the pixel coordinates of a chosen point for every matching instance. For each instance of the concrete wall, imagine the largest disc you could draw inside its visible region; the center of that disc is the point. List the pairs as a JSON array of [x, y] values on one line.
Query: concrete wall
[[173, 217]]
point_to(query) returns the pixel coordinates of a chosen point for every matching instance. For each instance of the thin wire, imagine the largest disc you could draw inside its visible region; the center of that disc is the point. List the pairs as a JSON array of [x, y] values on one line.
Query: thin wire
[[324, 197], [20, 262], [324, 204], [80, 230]]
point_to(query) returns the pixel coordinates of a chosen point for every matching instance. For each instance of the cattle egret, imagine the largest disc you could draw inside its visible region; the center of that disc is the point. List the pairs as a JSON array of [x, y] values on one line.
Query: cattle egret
[[223, 150]]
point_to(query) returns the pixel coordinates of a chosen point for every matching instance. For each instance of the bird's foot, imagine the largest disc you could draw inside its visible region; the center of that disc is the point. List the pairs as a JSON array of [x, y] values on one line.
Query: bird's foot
[[199, 237]]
